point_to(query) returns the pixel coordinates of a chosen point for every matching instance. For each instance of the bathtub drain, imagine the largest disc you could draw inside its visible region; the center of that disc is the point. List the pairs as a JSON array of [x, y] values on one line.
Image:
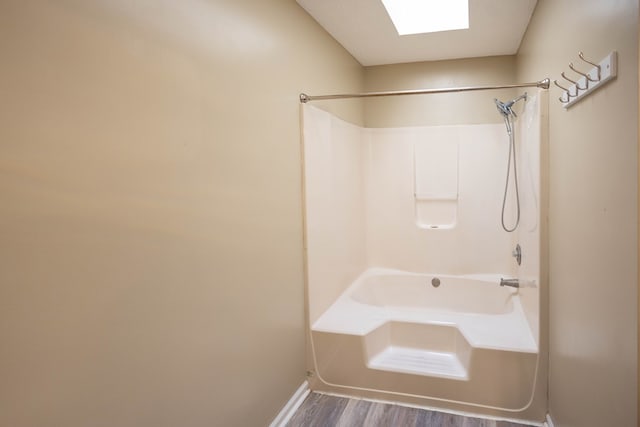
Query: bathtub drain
[[435, 282]]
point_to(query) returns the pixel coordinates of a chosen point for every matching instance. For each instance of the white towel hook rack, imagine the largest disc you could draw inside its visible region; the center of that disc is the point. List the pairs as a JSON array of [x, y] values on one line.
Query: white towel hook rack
[[601, 73]]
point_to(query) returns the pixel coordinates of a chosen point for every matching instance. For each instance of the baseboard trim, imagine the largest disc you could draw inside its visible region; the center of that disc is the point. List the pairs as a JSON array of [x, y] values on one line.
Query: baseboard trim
[[291, 406], [548, 422]]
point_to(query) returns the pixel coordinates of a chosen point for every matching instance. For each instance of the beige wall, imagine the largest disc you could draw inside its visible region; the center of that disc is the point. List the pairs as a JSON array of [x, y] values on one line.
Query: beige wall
[[592, 212], [438, 109], [151, 257]]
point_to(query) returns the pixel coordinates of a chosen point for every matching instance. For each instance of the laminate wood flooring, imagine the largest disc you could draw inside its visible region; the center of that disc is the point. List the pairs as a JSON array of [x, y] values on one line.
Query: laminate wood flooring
[[321, 410]]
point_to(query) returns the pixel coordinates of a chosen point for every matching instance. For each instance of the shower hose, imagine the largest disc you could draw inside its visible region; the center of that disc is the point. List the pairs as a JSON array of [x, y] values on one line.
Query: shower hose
[[512, 154]]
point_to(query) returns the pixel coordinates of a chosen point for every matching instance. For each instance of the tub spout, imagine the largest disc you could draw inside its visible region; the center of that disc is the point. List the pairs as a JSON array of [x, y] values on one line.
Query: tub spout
[[510, 282]]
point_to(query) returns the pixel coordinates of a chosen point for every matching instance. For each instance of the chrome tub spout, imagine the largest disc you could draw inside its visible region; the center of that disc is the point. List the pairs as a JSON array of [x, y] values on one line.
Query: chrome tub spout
[[510, 282]]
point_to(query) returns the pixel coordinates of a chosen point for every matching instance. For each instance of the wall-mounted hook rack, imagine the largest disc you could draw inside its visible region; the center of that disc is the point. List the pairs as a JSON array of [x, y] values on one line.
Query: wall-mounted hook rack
[[601, 73]]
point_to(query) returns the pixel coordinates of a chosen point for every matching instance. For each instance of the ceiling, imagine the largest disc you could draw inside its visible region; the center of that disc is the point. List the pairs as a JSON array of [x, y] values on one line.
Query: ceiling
[[364, 29]]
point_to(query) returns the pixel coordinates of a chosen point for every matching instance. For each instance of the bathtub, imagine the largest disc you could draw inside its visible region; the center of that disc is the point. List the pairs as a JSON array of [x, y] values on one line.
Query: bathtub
[[436, 293], [438, 336]]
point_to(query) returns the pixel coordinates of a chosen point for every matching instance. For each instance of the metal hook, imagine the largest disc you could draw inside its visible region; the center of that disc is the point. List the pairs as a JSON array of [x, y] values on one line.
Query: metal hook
[[586, 76], [574, 82], [565, 91], [581, 55], [561, 87]]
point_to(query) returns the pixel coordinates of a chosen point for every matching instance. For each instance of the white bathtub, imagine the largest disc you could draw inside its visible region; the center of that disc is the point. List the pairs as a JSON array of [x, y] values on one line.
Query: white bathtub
[[487, 314], [465, 341], [459, 294]]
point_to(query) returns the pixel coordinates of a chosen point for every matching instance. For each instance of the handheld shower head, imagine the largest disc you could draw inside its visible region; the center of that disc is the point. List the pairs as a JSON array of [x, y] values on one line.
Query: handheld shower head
[[505, 108]]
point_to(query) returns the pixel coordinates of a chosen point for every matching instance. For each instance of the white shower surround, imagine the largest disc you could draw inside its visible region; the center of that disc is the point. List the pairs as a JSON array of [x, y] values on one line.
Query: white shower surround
[[360, 215], [360, 206]]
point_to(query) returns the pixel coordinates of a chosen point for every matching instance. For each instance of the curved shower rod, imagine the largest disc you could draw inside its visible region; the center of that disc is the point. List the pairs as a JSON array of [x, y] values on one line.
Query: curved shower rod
[[304, 98]]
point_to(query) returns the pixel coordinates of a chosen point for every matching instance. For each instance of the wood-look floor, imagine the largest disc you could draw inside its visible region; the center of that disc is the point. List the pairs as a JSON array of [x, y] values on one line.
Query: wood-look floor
[[320, 410]]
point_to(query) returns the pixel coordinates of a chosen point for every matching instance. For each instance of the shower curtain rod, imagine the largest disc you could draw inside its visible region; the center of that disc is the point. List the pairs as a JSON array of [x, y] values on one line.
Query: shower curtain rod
[[304, 98]]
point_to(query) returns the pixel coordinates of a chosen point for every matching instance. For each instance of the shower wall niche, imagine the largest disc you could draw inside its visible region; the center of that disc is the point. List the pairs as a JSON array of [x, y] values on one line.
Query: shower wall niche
[[435, 175]]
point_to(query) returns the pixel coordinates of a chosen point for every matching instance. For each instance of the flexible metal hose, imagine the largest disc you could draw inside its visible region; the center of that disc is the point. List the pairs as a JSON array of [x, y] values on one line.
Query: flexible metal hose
[[512, 153]]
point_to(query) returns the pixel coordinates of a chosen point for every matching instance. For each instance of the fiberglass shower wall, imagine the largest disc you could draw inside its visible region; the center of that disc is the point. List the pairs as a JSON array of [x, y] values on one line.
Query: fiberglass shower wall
[[531, 146], [421, 199], [335, 239], [433, 198]]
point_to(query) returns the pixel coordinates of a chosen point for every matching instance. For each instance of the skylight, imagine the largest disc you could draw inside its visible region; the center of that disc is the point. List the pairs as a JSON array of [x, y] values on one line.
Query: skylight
[[427, 16]]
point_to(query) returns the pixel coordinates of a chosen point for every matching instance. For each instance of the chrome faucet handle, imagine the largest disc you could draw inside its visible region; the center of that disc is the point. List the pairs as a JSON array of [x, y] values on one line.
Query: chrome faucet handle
[[517, 254]]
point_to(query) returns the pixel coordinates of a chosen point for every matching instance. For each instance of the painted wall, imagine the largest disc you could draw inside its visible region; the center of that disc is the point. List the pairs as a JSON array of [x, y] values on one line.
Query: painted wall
[[151, 257], [592, 212], [438, 109]]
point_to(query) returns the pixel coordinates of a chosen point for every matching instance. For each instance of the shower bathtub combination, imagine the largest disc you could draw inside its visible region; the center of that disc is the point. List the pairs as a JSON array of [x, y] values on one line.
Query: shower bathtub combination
[[447, 341], [413, 294]]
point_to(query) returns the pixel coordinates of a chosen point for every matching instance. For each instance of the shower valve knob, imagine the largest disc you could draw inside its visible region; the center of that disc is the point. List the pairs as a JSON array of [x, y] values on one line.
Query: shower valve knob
[[517, 254]]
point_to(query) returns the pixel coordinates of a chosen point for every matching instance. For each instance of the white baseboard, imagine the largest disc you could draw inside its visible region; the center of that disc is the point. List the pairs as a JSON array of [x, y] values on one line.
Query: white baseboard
[[291, 406], [548, 421]]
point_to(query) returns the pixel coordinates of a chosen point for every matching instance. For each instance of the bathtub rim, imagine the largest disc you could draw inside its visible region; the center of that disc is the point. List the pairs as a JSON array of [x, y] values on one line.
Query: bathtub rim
[[346, 315], [484, 279]]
